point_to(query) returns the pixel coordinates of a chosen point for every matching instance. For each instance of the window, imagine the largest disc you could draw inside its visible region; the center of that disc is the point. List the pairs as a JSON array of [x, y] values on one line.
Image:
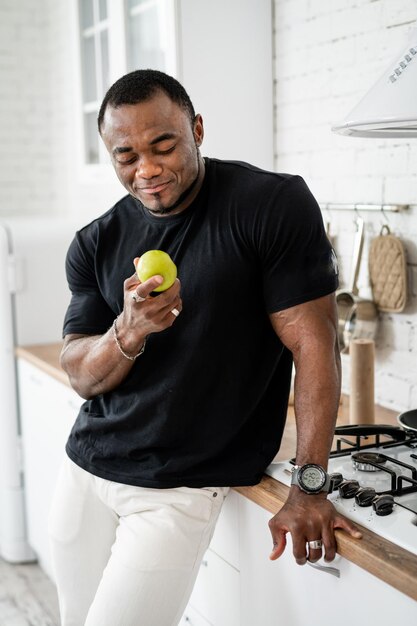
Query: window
[[118, 36], [148, 35], [94, 27]]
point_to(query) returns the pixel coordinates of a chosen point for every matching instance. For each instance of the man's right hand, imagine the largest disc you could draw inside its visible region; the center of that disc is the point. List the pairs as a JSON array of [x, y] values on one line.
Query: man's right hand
[[94, 363], [149, 314]]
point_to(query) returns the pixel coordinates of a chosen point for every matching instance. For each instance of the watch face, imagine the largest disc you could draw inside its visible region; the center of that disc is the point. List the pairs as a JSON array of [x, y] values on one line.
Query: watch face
[[312, 477]]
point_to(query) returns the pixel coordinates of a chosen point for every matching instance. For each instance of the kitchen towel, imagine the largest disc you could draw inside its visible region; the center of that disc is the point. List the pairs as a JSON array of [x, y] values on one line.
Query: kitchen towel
[[388, 272]]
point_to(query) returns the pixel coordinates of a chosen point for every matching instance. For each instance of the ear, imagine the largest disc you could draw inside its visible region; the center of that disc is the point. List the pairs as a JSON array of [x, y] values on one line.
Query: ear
[[198, 130]]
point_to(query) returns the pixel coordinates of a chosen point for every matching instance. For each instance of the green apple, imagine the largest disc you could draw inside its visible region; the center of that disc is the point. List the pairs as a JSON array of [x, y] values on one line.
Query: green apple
[[157, 262]]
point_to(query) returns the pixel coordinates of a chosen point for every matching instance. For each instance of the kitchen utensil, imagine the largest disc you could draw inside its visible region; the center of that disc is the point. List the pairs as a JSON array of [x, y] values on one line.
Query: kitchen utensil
[[408, 419], [361, 400], [357, 316], [388, 272]]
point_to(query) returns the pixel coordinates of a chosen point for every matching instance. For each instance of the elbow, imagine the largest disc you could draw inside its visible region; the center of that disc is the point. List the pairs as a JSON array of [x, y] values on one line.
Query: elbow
[[82, 388], [72, 366], [79, 383]]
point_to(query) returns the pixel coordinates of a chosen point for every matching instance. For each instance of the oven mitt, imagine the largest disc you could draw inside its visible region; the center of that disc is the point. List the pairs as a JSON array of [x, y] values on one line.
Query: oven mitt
[[388, 272]]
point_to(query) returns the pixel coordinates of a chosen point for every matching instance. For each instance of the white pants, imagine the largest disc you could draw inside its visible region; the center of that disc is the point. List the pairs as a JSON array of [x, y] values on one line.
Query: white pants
[[125, 555]]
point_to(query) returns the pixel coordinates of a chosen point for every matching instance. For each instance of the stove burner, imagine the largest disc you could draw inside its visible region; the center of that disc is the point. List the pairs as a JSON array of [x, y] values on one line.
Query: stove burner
[[365, 461]]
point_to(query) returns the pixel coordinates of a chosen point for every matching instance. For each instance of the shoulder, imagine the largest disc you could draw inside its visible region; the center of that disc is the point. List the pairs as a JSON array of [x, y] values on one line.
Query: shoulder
[[262, 194], [102, 231], [256, 188], [250, 175], [108, 221]]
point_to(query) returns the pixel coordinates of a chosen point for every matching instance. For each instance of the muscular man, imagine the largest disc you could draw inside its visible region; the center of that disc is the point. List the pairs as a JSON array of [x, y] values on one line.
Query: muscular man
[[186, 391]]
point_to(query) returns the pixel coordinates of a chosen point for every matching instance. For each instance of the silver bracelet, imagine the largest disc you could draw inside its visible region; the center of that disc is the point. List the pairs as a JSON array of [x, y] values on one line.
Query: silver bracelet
[[116, 338]]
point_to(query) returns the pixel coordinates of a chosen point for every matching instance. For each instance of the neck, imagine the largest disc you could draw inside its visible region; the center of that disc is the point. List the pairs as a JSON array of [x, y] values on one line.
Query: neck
[[187, 196]]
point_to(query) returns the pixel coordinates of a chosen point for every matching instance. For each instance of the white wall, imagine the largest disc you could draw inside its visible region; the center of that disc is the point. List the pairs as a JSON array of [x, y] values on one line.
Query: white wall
[[40, 169], [226, 66], [25, 112], [328, 53]]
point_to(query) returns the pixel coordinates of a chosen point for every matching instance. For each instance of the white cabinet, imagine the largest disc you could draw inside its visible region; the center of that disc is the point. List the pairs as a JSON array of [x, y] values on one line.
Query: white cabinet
[[282, 592], [48, 410], [225, 541], [215, 600], [191, 617], [216, 595]]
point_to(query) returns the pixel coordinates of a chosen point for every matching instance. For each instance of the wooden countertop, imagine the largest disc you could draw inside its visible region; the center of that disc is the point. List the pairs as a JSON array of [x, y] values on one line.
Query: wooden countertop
[[383, 559]]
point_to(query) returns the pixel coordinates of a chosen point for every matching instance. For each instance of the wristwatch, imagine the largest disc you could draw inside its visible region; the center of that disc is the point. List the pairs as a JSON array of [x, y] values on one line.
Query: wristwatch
[[310, 478]]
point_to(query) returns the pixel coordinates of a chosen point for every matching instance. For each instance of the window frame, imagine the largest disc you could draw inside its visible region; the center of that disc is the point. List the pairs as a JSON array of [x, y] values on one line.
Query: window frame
[[117, 16]]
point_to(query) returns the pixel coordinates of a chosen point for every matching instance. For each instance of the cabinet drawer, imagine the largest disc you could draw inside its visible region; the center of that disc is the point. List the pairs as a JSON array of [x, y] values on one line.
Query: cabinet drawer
[[216, 594]]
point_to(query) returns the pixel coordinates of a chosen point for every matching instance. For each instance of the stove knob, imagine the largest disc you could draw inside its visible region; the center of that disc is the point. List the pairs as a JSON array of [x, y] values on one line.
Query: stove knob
[[335, 480], [383, 505], [348, 488], [365, 496]]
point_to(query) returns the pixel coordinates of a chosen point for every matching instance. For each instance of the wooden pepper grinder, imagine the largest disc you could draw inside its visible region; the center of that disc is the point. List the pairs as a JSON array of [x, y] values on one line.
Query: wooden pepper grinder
[[362, 381]]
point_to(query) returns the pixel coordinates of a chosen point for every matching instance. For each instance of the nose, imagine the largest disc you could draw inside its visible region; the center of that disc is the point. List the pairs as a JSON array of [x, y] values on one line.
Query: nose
[[148, 167]]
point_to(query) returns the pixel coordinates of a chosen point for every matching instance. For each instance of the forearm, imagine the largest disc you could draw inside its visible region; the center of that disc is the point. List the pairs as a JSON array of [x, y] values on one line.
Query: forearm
[[309, 331], [95, 364], [316, 398]]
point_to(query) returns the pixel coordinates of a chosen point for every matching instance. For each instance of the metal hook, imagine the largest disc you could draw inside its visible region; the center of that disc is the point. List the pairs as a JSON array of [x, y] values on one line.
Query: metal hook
[[386, 222], [356, 210], [359, 219]]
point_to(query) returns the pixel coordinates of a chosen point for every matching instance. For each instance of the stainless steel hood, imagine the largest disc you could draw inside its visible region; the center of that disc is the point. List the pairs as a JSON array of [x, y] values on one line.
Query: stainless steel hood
[[389, 109]]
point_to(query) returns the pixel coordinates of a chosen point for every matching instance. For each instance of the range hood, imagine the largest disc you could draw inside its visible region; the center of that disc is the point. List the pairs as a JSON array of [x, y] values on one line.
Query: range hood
[[389, 109]]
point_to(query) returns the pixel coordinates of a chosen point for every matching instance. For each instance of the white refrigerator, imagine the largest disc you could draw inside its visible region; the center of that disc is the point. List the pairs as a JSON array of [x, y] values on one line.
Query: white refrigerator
[[33, 299]]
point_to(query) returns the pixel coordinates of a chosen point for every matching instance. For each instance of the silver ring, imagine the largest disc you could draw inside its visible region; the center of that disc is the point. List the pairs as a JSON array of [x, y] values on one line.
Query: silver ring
[[137, 298], [175, 312], [316, 544]]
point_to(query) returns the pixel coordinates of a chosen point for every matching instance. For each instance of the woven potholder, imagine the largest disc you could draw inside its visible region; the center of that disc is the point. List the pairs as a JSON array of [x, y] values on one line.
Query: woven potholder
[[388, 272]]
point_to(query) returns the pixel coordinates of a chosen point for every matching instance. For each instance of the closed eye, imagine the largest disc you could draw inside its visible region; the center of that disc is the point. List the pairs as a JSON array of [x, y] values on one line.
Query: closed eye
[[167, 151], [128, 162]]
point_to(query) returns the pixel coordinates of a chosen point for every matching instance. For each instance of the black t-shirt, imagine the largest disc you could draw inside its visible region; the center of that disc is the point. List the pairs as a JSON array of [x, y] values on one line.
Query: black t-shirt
[[206, 403]]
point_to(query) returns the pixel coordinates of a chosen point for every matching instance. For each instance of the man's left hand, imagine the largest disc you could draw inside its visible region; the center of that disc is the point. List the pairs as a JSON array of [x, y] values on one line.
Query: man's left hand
[[308, 518]]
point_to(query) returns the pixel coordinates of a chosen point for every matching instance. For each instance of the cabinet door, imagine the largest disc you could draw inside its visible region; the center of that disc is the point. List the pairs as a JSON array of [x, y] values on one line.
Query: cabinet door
[[193, 618], [48, 409], [225, 541], [282, 592], [216, 595]]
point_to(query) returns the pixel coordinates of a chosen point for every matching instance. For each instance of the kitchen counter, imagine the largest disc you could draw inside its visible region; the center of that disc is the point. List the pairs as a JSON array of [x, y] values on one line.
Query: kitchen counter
[[383, 559]]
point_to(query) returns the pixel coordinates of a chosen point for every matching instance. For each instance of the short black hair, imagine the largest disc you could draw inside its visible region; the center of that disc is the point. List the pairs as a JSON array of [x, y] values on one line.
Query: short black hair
[[141, 85]]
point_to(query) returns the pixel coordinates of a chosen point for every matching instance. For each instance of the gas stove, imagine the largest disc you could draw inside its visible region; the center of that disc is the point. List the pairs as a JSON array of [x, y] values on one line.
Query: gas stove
[[374, 480]]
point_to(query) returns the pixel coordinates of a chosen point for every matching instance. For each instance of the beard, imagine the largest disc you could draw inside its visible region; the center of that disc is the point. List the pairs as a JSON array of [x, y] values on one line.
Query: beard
[[182, 197]]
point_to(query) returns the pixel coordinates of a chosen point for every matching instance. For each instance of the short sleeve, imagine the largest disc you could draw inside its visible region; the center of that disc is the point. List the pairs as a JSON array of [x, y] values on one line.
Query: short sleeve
[[88, 312], [298, 261]]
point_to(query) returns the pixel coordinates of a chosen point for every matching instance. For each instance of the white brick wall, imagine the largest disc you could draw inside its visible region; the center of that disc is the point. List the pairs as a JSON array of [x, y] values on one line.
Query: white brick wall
[[328, 53], [41, 170], [24, 111]]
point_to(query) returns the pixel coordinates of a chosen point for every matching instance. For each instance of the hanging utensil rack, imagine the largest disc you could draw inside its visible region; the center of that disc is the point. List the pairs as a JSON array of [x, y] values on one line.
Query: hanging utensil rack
[[392, 208]]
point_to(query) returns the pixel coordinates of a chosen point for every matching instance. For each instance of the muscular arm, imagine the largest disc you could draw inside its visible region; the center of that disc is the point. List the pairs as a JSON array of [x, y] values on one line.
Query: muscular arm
[[310, 331], [94, 363]]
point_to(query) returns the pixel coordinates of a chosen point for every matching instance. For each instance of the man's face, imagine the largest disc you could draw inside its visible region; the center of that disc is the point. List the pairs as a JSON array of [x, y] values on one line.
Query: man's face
[[154, 150]]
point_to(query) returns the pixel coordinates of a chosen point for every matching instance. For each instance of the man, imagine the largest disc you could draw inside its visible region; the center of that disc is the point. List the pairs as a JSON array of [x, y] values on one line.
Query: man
[[166, 429]]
